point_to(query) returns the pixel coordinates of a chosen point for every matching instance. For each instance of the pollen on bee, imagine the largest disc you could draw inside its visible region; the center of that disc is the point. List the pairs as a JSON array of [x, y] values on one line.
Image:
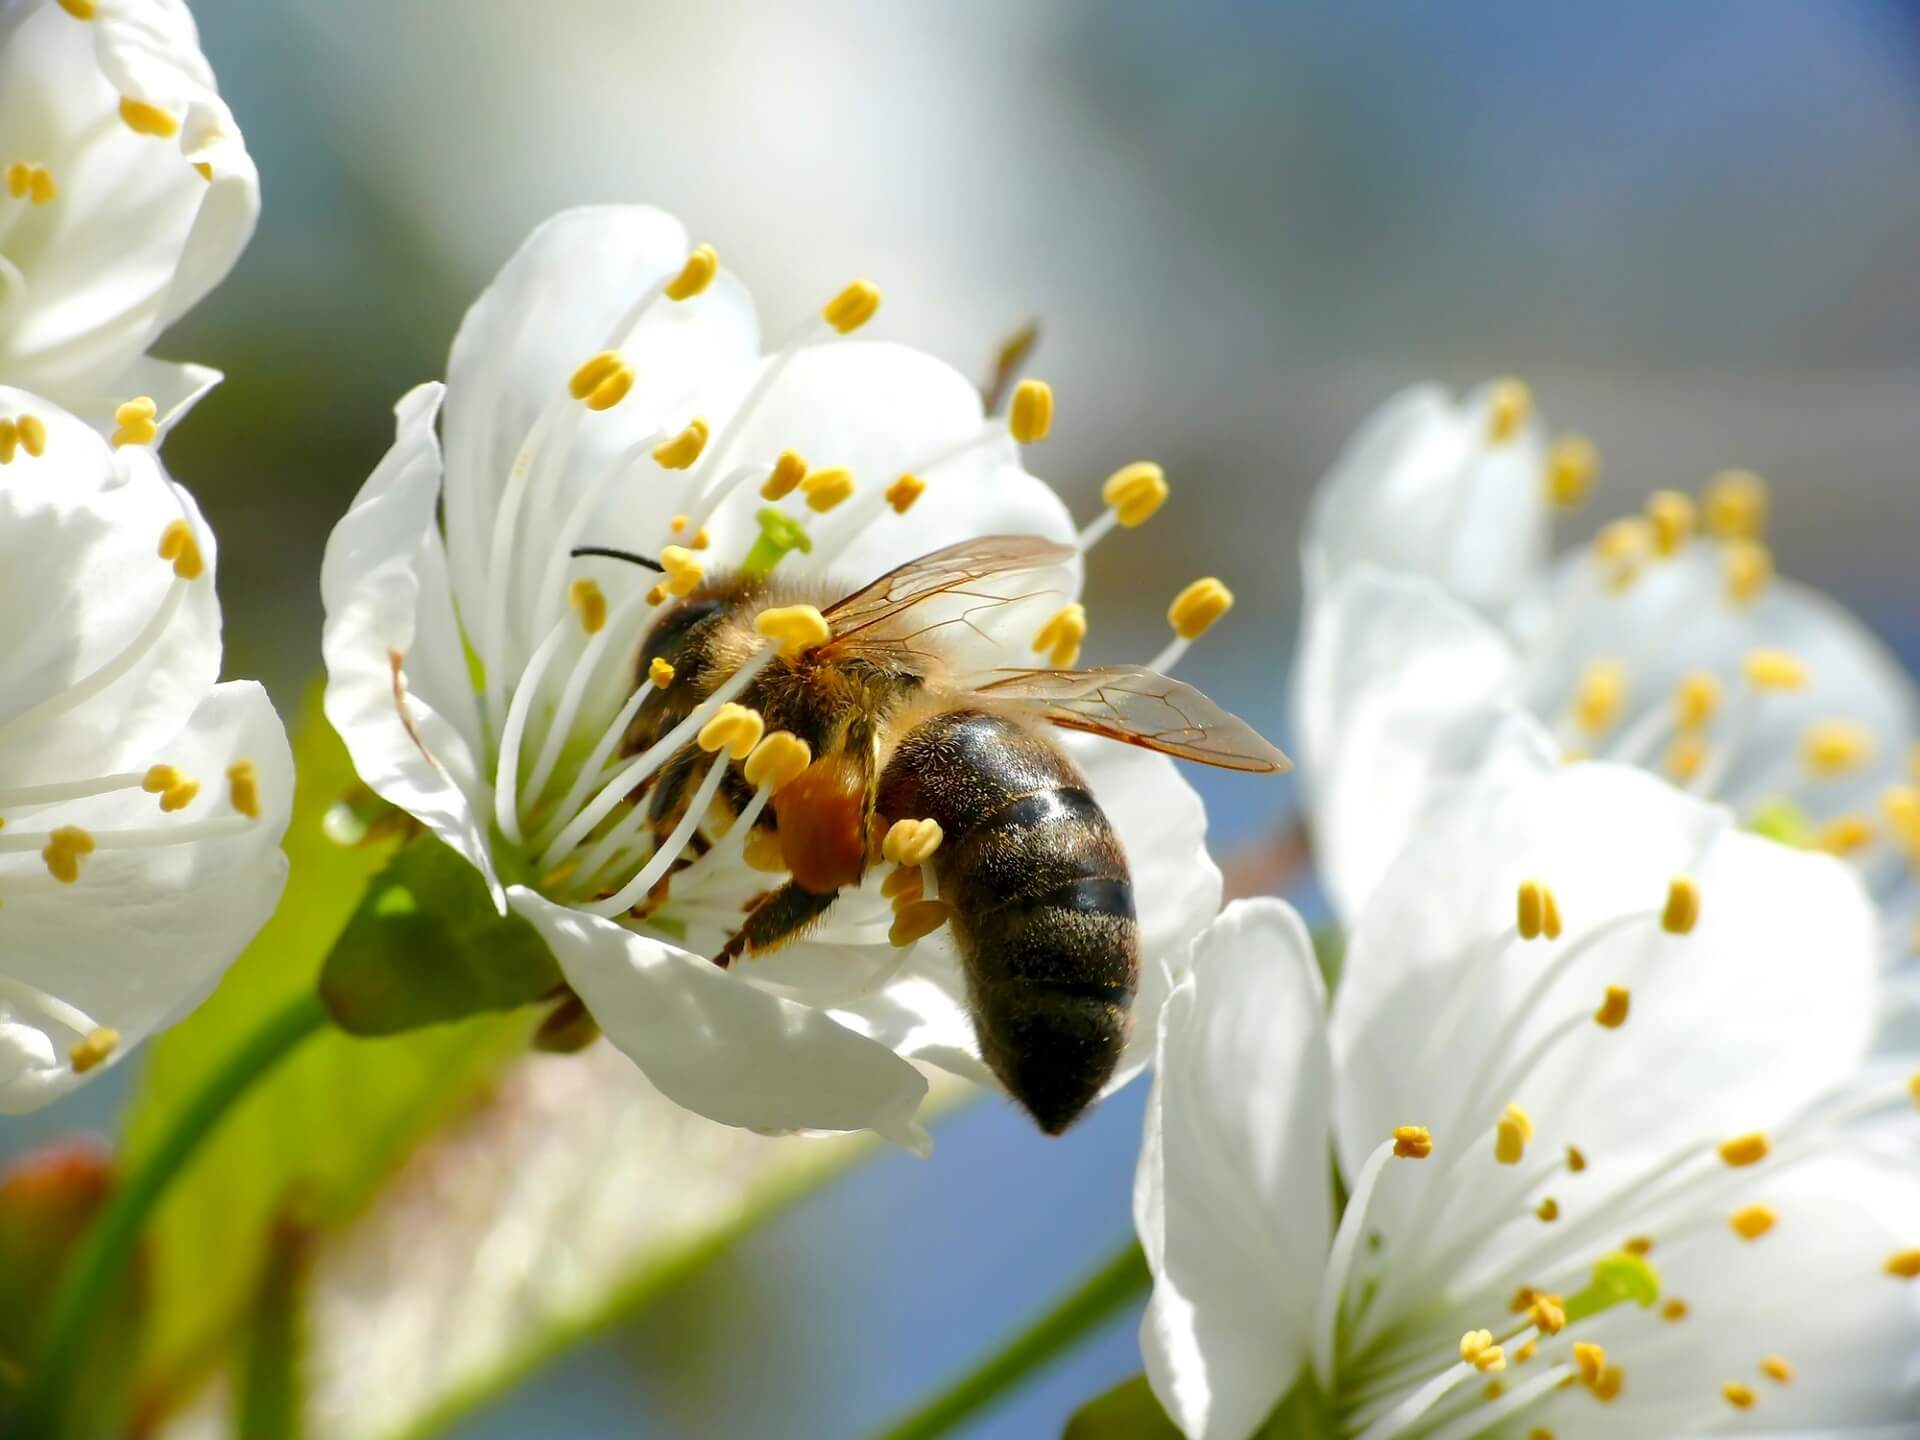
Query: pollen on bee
[[1412, 1142], [734, 728], [590, 603], [903, 492], [1030, 418], [134, 423], [696, 275], [1195, 609], [92, 1048], [1750, 1222], [778, 759], [915, 919], [1134, 492], [904, 882], [683, 449], [824, 489], [1572, 462], [177, 543], [787, 473], [763, 852], [797, 628], [912, 842], [1509, 406], [1612, 1013], [243, 788], [145, 119], [1061, 637], [852, 307]]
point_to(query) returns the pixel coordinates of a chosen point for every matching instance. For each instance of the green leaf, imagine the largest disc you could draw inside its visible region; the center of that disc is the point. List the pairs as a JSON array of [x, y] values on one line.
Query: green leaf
[[426, 946], [319, 1134], [1126, 1412]]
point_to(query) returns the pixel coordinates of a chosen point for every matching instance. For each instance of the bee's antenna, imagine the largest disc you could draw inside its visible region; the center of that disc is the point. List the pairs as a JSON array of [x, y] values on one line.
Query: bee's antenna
[[610, 553]]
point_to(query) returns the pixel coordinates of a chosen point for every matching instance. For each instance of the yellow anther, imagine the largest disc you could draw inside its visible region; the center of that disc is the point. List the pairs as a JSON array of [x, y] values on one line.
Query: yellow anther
[[798, 628], [1737, 1395], [145, 119], [177, 543], [1601, 697], [660, 673], [1835, 747], [1900, 804], [33, 435], [1776, 1369], [1750, 1222], [903, 883], [1547, 1316], [1748, 1149], [589, 603], [1621, 549], [1695, 701], [1845, 835], [1030, 417], [912, 842], [1412, 1142], [1589, 1361], [593, 372], [1774, 670], [1576, 1159], [763, 852], [1509, 405], [1533, 905], [1572, 463], [914, 920], [1474, 1344], [134, 424], [1913, 1088], [1061, 637], [1526, 1352], [1672, 516], [679, 523], [1134, 492], [1748, 567], [95, 1046], [1510, 1135], [1612, 1013], [40, 189], [701, 539], [904, 491], [1686, 757], [243, 788], [733, 728], [656, 594], [778, 759], [1674, 1311], [19, 177], [683, 449], [611, 390], [1608, 1386], [1490, 1361], [1736, 505], [684, 573], [852, 307], [1493, 1390], [1904, 1265], [1682, 910], [1522, 1298], [79, 9], [696, 275], [63, 852], [204, 169], [1550, 925], [825, 489], [9, 441], [1638, 1245], [1196, 608], [176, 791], [1547, 1211], [788, 471], [178, 797]]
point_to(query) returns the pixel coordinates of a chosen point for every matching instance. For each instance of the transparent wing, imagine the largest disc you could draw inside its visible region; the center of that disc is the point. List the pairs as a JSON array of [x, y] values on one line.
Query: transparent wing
[[878, 619], [1133, 704]]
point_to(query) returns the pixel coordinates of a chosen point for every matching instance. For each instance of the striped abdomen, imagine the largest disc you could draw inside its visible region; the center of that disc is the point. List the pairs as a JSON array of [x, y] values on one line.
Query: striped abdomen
[[1042, 904]]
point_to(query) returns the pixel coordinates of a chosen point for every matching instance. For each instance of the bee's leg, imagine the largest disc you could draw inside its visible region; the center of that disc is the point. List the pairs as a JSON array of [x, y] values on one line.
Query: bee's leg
[[778, 918]]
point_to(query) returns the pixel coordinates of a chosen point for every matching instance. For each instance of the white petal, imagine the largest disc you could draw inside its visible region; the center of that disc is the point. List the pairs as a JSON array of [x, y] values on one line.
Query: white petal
[[82, 580], [414, 738], [144, 934], [719, 1045], [1396, 693], [1232, 1198], [1421, 488]]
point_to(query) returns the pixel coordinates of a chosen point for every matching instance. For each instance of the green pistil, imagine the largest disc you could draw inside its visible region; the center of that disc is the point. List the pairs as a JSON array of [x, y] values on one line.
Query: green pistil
[[1616, 1277], [780, 534]]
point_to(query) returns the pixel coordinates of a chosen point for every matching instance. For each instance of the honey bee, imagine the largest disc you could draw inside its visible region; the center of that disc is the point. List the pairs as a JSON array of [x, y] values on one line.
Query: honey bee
[[1030, 873]]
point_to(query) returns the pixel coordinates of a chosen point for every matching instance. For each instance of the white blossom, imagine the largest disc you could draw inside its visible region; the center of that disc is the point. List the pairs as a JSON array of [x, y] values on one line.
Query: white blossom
[[126, 194], [141, 803], [1591, 1081], [610, 389]]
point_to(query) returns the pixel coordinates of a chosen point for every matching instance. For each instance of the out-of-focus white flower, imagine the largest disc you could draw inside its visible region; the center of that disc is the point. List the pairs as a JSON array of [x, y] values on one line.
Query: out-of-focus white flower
[[141, 804], [609, 389], [1591, 1081], [126, 194], [1669, 644]]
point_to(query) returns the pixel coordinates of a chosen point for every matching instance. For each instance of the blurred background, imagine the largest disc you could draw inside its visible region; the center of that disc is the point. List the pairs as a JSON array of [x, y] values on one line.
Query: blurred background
[[1691, 228]]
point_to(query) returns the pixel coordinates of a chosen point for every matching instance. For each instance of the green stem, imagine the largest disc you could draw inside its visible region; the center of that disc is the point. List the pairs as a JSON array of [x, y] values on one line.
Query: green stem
[[1092, 1303], [101, 1256]]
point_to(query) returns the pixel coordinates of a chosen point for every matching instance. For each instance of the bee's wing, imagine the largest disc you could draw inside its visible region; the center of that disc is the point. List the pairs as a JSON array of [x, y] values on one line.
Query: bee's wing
[[876, 619], [1138, 706]]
